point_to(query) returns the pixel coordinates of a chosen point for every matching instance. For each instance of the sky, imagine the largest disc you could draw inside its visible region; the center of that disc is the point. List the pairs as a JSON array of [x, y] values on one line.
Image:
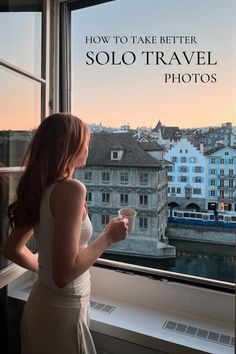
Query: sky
[[137, 94]]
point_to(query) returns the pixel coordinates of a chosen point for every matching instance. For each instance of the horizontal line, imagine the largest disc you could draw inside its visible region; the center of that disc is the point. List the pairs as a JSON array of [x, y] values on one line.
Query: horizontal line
[[21, 72]]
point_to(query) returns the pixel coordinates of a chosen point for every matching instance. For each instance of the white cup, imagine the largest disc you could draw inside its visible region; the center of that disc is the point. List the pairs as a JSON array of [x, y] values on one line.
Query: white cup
[[129, 214]]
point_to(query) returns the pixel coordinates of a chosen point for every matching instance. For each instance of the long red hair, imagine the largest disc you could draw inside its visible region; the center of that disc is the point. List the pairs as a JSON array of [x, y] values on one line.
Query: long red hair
[[59, 139]]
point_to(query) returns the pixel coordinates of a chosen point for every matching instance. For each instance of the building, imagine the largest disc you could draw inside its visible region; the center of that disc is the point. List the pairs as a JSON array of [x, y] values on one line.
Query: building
[[166, 136], [120, 173], [186, 175], [214, 136], [221, 179]]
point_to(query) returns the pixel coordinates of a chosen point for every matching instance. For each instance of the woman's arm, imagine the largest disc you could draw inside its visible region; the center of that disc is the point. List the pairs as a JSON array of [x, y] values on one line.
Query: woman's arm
[[69, 261], [16, 250]]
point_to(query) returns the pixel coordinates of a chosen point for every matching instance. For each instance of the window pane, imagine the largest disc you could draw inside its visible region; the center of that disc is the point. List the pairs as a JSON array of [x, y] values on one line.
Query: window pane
[[8, 182], [115, 90], [20, 39], [20, 100]]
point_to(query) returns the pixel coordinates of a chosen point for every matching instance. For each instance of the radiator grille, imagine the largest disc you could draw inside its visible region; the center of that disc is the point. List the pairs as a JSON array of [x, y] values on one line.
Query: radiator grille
[[200, 333]]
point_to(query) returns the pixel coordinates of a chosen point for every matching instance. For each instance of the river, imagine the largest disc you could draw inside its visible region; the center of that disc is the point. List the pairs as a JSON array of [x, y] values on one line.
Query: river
[[195, 258]]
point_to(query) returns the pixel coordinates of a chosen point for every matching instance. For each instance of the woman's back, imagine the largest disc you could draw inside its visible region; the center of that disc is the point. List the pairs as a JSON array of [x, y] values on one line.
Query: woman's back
[[43, 233]]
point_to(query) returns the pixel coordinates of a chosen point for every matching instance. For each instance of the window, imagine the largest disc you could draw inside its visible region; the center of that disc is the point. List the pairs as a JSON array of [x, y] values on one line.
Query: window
[[89, 197], [106, 176], [124, 199], [231, 161], [213, 171], [173, 190], [180, 151], [226, 153], [143, 178], [143, 223], [91, 84], [183, 179], [105, 198], [105, 219], [183, 169], [178, 190], [213, 182], [197, 191], [170, 169], [212, 193], [143, 199], [124, 177], [231, 183], [88, 176], [198, 179], [114, 155], [183, 159], [222, 172], [222, 161], [168, 189], [22, 94], [198, 169], [231, 172], [213, 161]]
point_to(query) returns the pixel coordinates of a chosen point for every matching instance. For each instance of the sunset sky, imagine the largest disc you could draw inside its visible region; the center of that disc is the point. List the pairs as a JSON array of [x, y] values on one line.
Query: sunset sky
[[136, 94]]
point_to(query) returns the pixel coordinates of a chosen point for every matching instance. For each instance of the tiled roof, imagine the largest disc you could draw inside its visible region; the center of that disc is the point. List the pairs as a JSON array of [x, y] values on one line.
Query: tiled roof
[[150, 146], [218, 148], [102, 144]]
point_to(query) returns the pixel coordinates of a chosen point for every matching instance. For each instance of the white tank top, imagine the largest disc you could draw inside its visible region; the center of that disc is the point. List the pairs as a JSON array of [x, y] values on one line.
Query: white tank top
[[43, 233]]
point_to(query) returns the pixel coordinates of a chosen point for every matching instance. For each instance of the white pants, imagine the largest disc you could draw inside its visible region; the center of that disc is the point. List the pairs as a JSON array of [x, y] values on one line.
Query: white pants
[[55, 323]]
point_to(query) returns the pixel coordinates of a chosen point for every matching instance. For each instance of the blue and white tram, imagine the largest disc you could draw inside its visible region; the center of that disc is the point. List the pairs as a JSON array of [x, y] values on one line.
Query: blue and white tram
[[201, 217]]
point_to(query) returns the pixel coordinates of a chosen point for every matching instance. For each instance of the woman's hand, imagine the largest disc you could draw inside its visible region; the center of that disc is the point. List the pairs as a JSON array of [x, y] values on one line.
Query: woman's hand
[[116, 230]]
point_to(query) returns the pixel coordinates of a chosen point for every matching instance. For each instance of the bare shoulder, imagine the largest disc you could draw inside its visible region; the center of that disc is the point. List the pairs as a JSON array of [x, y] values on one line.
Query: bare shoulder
[[70, 186], [67, 192]]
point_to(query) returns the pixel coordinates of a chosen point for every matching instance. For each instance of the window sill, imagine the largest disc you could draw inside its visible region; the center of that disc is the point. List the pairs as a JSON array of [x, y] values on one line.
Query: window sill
[[143, 305]]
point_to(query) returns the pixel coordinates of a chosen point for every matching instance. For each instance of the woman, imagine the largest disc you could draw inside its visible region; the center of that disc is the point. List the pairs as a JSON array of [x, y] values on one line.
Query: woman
[[51, 204]]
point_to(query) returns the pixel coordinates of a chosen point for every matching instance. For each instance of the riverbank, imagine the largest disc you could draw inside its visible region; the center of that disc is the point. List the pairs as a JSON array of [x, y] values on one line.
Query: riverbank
[[201, 233]]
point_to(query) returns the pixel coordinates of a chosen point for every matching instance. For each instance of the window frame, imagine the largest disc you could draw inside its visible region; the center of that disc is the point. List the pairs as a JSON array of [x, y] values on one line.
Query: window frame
[[65, 9]]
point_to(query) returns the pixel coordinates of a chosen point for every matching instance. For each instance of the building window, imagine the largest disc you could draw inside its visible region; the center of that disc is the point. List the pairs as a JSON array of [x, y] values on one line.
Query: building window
[[183, 159], [213, 171], [231, 183], [124, 199], [192, 159], [231, 172], [143, 199], [173, 190], [222, 161], [178, 190], [180, 151], [222, 172], [89, 197], [105, 219], [106, 198], [183, 169], [186, 151], [197, 191], [213, 182], [105, 176], [198, 179], [143, 178], [213, 161], [198, 169], [174, 159], [114, 155], [222, 183], [88, 176], [183, 179], [226, 153], [231, 161], [213, 193], [143, 223], [170, 178], [168, 189], [124, 177], [170, 168]]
